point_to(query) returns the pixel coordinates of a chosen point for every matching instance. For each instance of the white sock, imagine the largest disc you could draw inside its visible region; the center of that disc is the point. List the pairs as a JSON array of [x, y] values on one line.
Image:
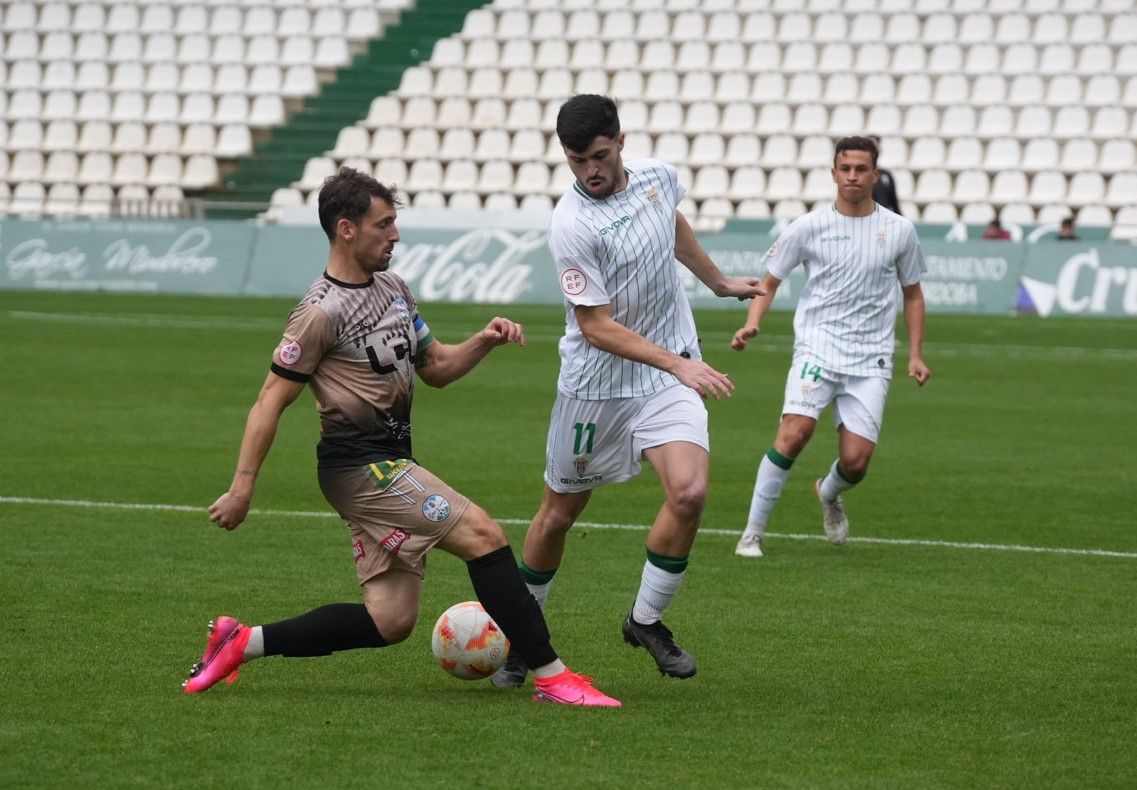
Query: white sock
[[540, 592], [256, 645], [768, 485], [833, 484], [547, 671], [657, 588]]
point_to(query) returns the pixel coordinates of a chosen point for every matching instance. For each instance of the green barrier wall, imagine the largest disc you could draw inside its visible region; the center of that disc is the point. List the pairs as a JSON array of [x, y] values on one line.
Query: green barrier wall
[[499, 265], [173, 256], [1079, 279]]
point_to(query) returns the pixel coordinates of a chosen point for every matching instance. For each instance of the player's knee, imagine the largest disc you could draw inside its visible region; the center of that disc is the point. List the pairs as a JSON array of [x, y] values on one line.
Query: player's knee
[[688, 499], [854, 469], [481, 533], [394, 626], [793, 436], [554, 519]]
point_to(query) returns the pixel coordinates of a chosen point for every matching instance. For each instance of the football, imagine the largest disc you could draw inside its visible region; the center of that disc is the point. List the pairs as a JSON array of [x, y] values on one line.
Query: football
[[467, 642]]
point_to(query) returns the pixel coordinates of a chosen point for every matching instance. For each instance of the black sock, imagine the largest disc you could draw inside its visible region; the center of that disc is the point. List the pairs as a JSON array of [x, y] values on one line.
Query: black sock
[[323, 631], [501, 590]]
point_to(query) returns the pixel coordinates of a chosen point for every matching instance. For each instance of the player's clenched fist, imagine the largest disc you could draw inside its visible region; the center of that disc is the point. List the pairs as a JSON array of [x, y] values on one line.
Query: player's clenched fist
[[229, 510]]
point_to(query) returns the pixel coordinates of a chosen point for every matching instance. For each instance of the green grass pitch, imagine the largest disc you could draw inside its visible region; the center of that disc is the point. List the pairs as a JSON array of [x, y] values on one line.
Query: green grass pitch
[[933, 650]]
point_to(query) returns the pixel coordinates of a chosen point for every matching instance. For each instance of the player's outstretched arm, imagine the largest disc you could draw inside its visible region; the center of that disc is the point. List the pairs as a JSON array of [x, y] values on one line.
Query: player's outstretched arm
[[756, 312], [691, 254], [914, 311], [607, 334], [441, 363], [275, 396]]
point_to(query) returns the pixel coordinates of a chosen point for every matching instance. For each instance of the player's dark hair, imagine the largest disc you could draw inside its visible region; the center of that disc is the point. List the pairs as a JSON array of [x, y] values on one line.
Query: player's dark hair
[[347, 195], [585, 117], [856, 144]]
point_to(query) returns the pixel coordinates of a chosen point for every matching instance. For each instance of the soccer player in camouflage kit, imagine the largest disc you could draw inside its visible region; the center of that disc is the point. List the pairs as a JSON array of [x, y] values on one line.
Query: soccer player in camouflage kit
[[358, 340], [855, 253]]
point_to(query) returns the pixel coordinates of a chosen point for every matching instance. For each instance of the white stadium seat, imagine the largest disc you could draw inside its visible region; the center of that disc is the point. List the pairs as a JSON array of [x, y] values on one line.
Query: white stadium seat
[[971, 186], [1122, 188], [1045, 187], [964, 153], [1117, 156], [933, 186], [1085, 188], [747, 182]]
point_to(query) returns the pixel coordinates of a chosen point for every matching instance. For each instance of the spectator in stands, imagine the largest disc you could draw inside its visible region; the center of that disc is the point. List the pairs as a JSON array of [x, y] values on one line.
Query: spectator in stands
[[358, 339], [855, 254], [632, 377], [995, 231], [884, 191], [1066, 230]]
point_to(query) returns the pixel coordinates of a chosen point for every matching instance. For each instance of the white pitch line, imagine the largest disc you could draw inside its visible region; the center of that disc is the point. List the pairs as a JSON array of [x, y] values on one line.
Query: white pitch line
[[770, 342], [939, 544], [151, 320]]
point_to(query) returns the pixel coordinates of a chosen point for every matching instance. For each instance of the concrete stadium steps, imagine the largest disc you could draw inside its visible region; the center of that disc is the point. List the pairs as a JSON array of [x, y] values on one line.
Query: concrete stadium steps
[[280, 157]]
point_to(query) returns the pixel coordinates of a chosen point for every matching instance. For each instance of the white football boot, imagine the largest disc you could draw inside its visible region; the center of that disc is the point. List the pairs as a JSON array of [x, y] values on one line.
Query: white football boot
[[749, 545], [833, 517]]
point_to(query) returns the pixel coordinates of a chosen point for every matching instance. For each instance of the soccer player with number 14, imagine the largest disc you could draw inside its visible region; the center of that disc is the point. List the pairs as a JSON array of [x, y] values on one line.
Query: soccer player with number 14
[[854, 253]]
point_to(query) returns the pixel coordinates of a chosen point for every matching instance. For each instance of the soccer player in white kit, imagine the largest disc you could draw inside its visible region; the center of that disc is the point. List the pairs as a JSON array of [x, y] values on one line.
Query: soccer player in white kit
[[632, 377], [854, 253]]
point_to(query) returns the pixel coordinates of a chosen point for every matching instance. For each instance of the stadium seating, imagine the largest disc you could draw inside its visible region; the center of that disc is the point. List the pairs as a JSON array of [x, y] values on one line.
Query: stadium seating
[[135, 85], [971, 94], [1019, 106]]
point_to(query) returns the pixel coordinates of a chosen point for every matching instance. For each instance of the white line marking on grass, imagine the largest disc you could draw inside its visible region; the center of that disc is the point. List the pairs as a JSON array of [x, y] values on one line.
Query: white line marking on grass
[[150, 319], [770, 342], [940, 544]]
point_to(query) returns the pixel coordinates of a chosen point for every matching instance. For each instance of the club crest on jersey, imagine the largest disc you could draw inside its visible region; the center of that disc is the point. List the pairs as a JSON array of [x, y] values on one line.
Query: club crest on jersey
[[581, 464], [880, 236], [404, 310], [653, 196], [573, 282], [393, 542], [436, 508], [290, 352]]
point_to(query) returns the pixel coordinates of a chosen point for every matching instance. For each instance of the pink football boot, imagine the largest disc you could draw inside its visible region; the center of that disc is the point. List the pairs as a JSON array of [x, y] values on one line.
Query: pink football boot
[[569, 688], [223, 656]]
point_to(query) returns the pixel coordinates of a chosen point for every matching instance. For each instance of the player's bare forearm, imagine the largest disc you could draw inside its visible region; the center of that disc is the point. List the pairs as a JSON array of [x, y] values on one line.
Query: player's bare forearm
[[757, 310], [691, 254], [607, 334], [914, 313], [232, 507], [442, 364]]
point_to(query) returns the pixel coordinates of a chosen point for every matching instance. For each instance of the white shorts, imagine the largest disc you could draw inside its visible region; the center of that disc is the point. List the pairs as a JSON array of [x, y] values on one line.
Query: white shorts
[[596, 442], [858, 401]]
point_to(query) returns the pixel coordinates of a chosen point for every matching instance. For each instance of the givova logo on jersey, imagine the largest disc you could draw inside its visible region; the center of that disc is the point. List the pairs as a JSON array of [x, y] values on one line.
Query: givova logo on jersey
[[615, 226]]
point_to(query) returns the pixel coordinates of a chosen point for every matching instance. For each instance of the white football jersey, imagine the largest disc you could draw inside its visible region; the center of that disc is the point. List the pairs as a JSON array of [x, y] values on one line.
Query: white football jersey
[[846, 313], [620, 251]]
